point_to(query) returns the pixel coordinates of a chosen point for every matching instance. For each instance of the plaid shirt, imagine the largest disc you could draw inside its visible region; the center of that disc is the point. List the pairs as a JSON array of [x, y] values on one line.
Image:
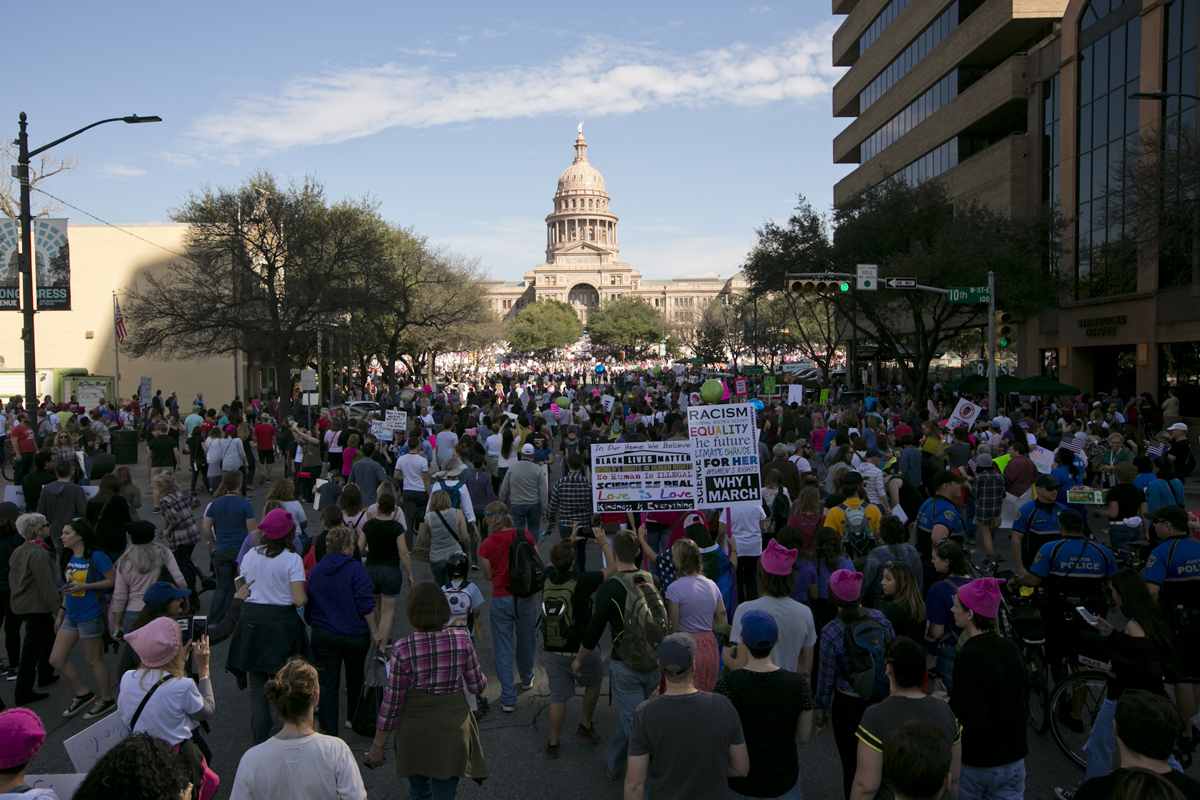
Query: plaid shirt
[[835, 661], [571, 499], [989, 493], [436, 662], [176, 509]]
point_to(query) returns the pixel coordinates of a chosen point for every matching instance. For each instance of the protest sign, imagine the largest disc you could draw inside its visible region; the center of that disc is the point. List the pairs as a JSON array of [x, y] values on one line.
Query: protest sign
[[769, 384], [739, 386], [607, 401], [965, 414], [145, 391], [824, 396], [725, 455], [15, 495], [395, 419], [85, 748], [642, 476], [63, 786], [381, 431], [796, 394], [1042, 458]]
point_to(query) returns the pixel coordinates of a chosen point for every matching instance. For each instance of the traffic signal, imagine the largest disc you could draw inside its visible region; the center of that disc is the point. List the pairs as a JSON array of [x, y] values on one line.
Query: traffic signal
[[1003, 329], [819, 284]]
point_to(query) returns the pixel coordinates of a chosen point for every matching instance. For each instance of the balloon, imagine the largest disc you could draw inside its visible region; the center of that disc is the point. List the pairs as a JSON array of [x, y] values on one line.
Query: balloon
[[599, 368], [407, 394], [562, 402], [657, 370], [712, 391], [427, 388], [758, 404]]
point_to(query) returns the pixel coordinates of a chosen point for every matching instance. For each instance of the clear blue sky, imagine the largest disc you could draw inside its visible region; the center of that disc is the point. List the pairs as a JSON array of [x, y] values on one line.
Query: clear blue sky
[[704, 118]]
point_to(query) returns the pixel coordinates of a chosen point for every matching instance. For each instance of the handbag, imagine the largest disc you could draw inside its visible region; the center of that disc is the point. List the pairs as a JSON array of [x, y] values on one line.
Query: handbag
[[421, 546], [371, 696]]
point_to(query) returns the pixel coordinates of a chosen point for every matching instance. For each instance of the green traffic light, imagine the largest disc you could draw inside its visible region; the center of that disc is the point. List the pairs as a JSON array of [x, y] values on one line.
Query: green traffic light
[[843, 287], [1004, 342]]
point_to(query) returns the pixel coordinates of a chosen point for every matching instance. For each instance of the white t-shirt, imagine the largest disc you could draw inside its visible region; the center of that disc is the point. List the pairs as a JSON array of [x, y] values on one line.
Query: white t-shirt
[[796, 628], [166, 715], [273, 577], [297, 510], [743, 525], [446, 442], [410, 466], [315, 767]]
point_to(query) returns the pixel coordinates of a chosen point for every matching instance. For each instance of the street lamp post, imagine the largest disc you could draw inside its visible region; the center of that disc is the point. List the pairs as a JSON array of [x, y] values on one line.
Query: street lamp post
[[26, 264], [1160, 95]]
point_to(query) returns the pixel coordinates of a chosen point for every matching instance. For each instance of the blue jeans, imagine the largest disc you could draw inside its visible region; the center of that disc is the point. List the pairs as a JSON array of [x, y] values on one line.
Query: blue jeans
[[945, 666], [968, 514], [1121, 536], [23, 467], [791, 794], [526, 516], [225, 566], [513, 627], [1102, 744], [1005, 782], [629, 688], [422, 788]]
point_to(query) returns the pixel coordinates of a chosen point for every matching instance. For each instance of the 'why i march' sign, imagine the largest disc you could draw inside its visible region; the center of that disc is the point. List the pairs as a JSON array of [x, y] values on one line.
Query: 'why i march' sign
[[725, 455]]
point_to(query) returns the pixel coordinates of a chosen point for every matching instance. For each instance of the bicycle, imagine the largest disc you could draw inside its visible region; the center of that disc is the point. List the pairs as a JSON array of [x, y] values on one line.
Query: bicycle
[[1018, 617], [1076, 699], [9, 462]]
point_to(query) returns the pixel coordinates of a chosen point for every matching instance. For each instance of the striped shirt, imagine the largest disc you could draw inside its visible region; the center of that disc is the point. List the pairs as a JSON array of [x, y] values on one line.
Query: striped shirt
[[435, 662], [176, 509]]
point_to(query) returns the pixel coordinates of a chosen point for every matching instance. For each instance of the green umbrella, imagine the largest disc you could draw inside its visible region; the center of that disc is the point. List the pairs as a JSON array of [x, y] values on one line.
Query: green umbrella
[[1041, 386], [968, 384]]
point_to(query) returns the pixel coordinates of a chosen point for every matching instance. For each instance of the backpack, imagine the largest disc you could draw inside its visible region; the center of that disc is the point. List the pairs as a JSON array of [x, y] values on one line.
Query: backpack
[[857, 538], [777, 516], [558, 614], [645, 621], [455, 493], [866, 648], [460, 605], [524, 567]]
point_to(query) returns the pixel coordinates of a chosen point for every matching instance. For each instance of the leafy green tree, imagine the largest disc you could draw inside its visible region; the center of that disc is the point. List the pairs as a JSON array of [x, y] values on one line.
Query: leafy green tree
[[545, 325], [628, 323]]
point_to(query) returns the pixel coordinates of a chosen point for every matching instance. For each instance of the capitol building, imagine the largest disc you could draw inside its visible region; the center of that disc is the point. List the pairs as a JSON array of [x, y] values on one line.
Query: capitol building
[[583, 265]]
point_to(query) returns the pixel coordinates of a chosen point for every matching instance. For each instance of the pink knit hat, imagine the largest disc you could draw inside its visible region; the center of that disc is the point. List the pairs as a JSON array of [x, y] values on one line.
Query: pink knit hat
[[21, 736], [156, 642], [846, 585], [982, 596], [777, 559], [277, 524]]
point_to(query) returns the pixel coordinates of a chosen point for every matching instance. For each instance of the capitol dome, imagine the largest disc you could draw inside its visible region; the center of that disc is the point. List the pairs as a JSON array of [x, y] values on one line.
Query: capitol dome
[[581, 229], [581, 176]]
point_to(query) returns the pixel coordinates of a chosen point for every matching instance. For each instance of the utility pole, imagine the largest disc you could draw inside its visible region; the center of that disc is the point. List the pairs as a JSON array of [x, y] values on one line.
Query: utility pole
[[992, 344]]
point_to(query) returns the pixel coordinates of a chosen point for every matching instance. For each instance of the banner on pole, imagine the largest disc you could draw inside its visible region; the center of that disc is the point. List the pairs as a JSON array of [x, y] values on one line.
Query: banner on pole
[[10, 265], [53, 258], [146, 391], [965, 414], [642, 477], [725, 455]]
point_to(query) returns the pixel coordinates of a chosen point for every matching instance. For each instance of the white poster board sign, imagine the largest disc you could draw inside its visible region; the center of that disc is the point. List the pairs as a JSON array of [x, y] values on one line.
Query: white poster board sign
[[145, 391], [15, 494], [90, 491], [725, 455], [643, 476], [396, 420], [795, 394], [965, 414], [1042, 458], [86, 747], [64, 786], [308, 380], [91, 393], [607, 401], [381, 431]]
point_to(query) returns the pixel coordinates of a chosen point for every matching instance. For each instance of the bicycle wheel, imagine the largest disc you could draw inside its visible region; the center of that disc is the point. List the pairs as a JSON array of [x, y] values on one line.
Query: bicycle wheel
[[1084, 691], [8, 470], [1039, 690]]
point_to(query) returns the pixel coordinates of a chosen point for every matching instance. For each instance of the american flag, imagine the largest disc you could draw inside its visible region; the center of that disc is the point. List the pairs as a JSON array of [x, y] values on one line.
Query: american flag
[[1156, 449], [1072, 444], [119, 320]]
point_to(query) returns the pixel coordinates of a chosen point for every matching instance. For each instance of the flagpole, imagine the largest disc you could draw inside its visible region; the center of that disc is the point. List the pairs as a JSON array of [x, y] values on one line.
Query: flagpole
[[116, 354]]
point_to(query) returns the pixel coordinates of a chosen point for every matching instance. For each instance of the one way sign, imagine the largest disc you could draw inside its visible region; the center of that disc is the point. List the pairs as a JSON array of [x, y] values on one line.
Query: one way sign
[[901, 283]]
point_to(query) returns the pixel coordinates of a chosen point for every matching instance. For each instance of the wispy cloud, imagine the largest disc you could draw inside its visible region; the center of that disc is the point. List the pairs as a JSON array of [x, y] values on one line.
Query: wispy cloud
[[121, 171], [428, 51], [604, 77], [182, 159], [759, 9]]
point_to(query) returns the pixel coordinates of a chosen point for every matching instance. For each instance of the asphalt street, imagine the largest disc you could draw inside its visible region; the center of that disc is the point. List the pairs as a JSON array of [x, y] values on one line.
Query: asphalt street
[[513, 743]]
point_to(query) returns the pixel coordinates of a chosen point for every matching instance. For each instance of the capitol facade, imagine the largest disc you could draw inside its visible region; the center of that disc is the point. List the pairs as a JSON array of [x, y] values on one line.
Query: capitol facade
[[583, 265]]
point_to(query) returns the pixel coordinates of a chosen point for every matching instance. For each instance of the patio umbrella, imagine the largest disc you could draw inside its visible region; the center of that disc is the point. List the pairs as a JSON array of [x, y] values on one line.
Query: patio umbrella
[[968, 384], [1041, 386]]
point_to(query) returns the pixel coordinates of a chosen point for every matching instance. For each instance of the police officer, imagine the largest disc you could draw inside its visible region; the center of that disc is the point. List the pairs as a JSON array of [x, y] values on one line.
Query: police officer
[[1037, 523], [938, 519], [1073, 572], [1173, 578]]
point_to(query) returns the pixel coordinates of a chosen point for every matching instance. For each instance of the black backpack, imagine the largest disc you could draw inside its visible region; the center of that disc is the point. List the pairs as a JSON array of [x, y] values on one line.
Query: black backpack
[[524, 567], [558, 613], [866, 648]]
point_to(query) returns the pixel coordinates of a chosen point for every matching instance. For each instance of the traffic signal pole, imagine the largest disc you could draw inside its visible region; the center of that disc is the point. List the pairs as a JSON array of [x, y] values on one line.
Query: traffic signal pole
[[992, 344]]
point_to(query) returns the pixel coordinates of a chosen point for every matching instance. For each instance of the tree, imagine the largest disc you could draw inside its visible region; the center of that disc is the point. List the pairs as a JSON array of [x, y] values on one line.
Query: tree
[[918, 232], [628, 323], [46, 166], [719, 332], [546, 325], [267, 268], [803, 245]]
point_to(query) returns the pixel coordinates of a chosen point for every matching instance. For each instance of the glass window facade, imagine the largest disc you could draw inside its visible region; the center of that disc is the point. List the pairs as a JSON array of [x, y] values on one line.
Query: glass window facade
[[885, 18], [942, 92], [932, 164], [1109, 69], [1176, 222], [929, 38], [1051, 152], [1098, 10]]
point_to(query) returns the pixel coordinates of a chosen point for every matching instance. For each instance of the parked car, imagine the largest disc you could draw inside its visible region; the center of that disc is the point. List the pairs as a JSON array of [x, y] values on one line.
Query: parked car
[[357, 409]]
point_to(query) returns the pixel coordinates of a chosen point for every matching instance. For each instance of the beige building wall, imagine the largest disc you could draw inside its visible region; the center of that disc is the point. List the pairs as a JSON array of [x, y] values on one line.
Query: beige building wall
[[103, 260]]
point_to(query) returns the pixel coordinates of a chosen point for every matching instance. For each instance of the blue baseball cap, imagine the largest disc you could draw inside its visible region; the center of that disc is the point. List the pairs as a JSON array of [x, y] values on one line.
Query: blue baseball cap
[[759, 629], [161, 592]]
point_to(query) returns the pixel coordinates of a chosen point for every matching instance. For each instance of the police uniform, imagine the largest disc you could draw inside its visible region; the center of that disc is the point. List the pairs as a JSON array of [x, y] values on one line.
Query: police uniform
[[936, 510], [1073, 571], [1174, 565], [1038, 525]]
